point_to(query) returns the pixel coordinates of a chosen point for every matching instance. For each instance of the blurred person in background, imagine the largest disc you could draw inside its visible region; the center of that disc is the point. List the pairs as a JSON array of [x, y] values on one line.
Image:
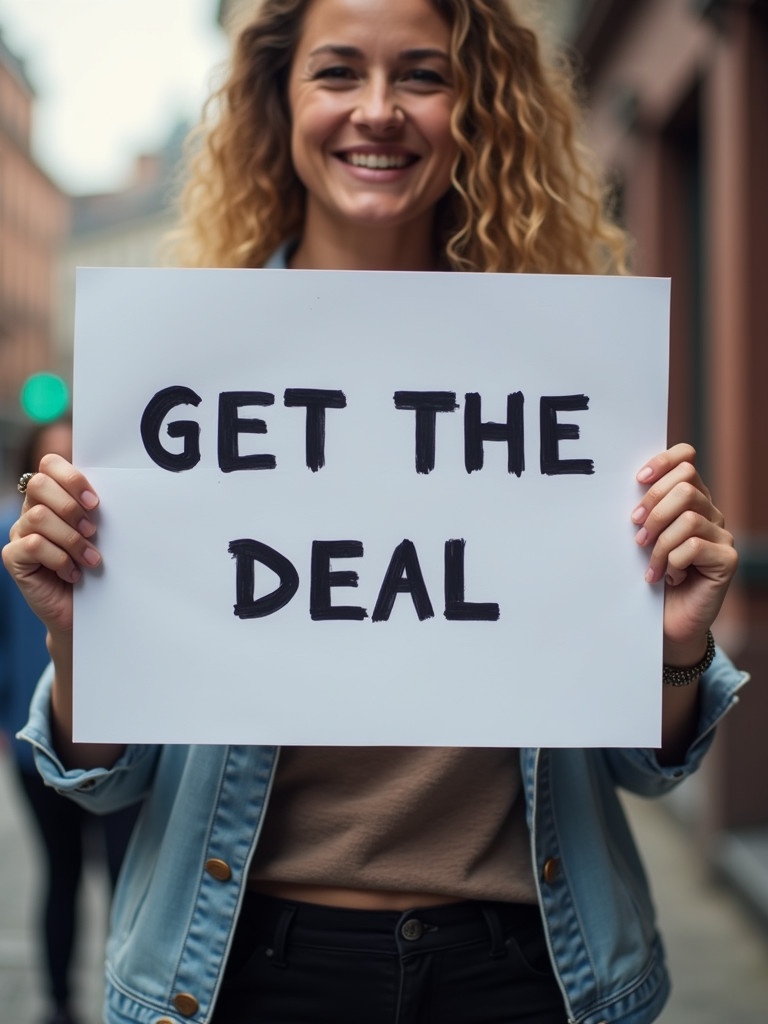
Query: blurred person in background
[[66, 831]]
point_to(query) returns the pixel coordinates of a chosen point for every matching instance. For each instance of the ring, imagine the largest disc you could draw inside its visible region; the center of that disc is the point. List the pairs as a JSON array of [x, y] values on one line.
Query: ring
[[24, 479]]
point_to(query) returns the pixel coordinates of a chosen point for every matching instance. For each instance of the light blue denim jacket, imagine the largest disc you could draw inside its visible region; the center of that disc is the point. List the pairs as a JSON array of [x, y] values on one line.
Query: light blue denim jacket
[[184, 875]]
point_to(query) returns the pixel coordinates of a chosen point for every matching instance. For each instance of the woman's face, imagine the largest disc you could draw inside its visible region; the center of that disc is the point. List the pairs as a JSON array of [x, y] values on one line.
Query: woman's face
[[371, 97]]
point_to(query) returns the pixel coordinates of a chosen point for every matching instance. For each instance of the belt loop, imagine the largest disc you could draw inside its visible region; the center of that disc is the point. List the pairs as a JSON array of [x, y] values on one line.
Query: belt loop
[[492, 920], [281, 935]]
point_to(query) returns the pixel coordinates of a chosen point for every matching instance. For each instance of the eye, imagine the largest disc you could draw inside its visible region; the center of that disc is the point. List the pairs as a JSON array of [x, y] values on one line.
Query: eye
[[340, 73], [425, 78]]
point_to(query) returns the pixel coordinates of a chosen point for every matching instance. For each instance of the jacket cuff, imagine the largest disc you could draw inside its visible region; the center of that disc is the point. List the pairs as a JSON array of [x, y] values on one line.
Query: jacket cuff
[[640, 770], [75, 781]]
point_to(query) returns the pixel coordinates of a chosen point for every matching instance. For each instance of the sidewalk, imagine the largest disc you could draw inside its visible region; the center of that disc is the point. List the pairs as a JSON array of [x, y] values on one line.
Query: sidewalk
[[718, 956]]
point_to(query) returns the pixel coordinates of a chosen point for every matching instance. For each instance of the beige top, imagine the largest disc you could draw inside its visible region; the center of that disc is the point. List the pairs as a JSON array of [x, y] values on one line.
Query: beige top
[[438, 820]]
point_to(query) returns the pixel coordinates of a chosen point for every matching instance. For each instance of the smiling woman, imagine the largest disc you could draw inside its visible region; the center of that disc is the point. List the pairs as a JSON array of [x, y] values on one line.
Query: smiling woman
[[458, 99], [387, 885]]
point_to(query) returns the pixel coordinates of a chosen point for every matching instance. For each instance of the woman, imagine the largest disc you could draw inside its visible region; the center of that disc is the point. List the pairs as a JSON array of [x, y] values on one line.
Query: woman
[[388, 884]]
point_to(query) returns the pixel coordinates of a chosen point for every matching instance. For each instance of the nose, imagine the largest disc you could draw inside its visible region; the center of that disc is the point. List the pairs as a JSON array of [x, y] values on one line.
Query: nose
[[376, 108]]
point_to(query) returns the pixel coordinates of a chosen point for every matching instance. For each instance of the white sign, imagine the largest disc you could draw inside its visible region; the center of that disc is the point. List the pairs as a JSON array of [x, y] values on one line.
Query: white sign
[[368, 508]]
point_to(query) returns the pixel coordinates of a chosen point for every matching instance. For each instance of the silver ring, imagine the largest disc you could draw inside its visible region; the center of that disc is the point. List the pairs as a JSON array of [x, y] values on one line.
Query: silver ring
[[24, 479]]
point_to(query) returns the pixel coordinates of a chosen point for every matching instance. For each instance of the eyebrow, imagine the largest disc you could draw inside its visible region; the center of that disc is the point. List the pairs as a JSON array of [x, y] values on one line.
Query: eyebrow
[[353, 53]]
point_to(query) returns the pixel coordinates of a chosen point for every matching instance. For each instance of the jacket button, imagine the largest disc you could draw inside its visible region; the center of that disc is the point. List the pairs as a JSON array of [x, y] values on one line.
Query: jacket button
[[186, 1004], [218, 869], [551, 869]]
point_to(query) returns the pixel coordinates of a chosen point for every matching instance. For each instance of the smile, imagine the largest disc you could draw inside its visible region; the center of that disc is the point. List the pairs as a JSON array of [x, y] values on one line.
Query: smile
[[378, 161]]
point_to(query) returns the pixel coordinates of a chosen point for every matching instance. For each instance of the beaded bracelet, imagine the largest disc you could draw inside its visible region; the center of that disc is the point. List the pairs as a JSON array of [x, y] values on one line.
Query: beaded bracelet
[[674, 676]]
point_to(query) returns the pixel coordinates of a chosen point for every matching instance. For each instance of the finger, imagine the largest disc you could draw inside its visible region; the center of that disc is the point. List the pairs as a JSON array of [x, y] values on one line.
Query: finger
[[688, 531], [665, 462], [44, 576], [716, 561], [66, 492], [41, 521], [69, 479], [685, 476], [25, 557], [684, 501]]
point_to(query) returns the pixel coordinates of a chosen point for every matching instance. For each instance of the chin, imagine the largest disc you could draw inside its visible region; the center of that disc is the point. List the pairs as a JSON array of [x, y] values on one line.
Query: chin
[[382, 218]]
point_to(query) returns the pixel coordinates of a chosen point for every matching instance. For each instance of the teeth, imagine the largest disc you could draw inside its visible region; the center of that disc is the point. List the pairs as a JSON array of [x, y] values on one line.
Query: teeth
[[376, 162]]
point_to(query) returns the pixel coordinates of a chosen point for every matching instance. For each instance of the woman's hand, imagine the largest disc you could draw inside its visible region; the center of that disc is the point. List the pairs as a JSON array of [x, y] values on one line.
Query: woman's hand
[[49, 548], [689, 547], [51, 542]]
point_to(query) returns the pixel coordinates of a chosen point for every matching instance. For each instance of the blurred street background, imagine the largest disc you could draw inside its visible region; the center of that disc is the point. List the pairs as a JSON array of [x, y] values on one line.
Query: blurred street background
[[95, 100]]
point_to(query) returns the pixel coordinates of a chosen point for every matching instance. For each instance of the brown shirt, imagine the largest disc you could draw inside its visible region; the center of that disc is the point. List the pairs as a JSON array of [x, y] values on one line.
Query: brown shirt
[[438, 820]]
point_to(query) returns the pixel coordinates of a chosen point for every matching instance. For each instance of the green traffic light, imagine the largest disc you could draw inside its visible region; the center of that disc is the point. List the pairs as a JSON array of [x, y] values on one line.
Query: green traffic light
[[44, 397]]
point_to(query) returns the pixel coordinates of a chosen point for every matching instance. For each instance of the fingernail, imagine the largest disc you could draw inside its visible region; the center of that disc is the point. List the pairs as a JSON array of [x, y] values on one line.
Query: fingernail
[[86, 528], [88, 499], [641, 537], [645, 474], [639, 515], [91, 556], [74, 576], [650, 576]]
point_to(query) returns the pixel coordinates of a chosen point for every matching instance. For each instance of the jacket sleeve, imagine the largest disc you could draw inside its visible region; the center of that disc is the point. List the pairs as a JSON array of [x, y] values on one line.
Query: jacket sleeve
[[639, 771], [100, 790]]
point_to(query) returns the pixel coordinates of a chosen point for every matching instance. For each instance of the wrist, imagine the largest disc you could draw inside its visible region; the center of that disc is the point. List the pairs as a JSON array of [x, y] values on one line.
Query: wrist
[[684, 663], [59, 645], [681, 655]]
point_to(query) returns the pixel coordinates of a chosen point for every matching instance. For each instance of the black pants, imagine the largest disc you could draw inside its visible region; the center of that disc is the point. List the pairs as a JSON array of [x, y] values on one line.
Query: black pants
[[67, 833], [463, 963]]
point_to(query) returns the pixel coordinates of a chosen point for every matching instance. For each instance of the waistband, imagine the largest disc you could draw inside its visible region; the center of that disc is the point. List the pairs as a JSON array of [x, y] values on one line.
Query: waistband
[[421, 929]]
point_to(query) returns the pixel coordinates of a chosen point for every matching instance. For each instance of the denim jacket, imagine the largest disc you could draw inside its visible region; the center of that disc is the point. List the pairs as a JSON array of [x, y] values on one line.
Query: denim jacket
[[184, 875]]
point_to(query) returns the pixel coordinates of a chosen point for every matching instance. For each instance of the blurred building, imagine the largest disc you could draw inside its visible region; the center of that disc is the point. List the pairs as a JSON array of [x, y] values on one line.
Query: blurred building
[[119, 229], [678, 99], [34, 216]]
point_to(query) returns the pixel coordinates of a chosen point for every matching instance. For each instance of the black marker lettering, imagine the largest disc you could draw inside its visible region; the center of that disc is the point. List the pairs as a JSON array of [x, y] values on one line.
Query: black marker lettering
[[152, 418], [475, 432], [403, 576], [426, 404], [456, 608], [552, 432], [246, 552], [231, 426], [322, 579], [316, 402]]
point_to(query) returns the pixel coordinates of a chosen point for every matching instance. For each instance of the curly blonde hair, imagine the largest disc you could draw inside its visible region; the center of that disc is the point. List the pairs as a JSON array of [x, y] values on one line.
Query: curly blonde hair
[[524, 198]]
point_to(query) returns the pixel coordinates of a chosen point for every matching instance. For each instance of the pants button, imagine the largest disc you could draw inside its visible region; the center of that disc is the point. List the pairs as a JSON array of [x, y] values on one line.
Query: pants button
[[412, 929]]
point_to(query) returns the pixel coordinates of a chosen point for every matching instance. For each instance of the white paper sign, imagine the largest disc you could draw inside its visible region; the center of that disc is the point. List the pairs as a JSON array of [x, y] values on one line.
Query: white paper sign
[[367, 508]]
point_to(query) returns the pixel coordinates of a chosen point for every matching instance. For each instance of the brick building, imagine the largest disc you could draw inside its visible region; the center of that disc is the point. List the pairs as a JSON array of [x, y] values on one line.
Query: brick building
[[678, 98], [33, 221]]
